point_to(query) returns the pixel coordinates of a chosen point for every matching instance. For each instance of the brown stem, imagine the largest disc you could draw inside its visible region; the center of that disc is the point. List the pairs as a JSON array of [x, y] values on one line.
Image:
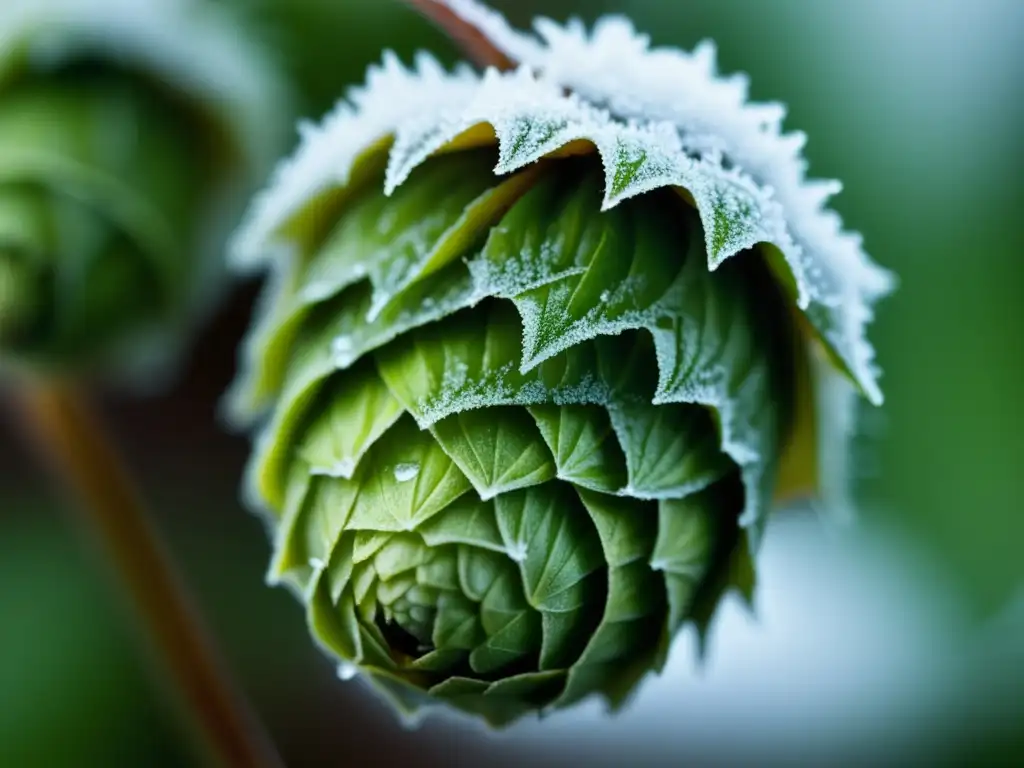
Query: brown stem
[[472, 41], [73, 441]]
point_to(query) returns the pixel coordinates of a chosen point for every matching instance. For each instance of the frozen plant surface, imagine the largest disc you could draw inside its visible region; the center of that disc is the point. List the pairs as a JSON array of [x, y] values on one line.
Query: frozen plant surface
[[530, 365]]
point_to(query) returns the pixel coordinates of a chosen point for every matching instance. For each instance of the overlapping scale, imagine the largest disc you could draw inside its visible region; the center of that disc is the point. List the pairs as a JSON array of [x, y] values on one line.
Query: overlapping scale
[[504, 524]]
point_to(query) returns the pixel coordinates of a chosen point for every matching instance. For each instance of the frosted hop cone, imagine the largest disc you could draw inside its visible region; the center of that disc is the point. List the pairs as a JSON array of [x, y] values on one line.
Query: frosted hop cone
[[541, 350], [127, 127]]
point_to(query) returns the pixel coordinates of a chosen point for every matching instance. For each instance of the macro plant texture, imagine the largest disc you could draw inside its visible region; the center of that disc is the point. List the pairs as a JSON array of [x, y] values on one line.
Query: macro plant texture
[[541, 350], [128, 131]]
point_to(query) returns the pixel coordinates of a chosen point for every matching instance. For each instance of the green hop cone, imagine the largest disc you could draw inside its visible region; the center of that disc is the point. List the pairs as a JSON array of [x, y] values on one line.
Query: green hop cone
[[125, 130], [537, 359]]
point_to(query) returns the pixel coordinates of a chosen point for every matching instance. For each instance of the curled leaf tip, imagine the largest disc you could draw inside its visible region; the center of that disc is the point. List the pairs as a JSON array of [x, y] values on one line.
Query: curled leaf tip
[[542, 348]]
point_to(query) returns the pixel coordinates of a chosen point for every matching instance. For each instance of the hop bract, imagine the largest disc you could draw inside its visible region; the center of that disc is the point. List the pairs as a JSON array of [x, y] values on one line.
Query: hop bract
[[541, 350], [126, 127]]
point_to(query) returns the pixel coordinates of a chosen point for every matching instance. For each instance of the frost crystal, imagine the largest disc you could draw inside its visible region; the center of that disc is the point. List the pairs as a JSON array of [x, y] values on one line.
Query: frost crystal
[[658, 116], [564, 409]]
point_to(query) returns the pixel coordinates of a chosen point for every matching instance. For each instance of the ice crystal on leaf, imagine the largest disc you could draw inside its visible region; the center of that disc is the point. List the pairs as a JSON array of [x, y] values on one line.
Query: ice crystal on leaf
[[535, 364], [659, 117]]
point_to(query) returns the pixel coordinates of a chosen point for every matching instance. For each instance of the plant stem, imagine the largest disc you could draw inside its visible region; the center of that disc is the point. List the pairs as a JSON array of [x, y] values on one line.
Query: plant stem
[[73, 441], [473, 42]]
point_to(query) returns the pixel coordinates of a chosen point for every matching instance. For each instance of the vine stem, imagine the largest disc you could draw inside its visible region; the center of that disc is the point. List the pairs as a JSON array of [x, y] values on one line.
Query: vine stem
[[472, 41], [72, 439]]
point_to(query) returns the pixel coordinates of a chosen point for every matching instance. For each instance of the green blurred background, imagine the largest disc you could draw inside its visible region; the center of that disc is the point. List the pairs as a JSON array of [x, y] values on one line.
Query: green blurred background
[[916, 105]]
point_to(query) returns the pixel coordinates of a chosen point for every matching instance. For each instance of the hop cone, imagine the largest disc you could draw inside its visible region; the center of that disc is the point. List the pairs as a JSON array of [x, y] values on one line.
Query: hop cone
[[534, 371], [123, 131]]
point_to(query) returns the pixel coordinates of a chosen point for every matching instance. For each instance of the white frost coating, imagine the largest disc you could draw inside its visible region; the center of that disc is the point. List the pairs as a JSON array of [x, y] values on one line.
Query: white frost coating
[[461, 391], [532, 116], [327, 152], [658, 117], [614, 66], [192, 45], [457, 294]]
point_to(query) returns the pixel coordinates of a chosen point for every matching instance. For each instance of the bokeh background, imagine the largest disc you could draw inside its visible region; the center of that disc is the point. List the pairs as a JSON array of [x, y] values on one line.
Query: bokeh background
[[900, 641]]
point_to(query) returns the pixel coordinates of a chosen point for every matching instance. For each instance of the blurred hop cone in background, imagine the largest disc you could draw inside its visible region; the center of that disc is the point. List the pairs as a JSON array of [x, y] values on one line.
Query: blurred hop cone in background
[[541, 349], [127, 128]]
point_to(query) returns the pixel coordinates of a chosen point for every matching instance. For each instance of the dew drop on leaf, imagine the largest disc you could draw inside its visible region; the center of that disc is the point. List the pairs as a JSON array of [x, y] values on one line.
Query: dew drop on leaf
[[406, 472]]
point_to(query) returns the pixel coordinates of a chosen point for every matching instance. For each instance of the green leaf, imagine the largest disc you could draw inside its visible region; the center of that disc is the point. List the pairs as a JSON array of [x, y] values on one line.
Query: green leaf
[[440, 663], [622, 647], [525, 139], [366, 544], [670, 450], [467, 520], [353, 411], [108, 227], [363, 586], [323, 514], [470, 361], [686, 537], [458, 624], [54, 132], [502, 702], [425, 302], [548, 533], [512, 638], [498, 449], [403, 481], [401, 554], [381, 238], [335, 625], [627, 528], [379, 241], [730, 566], [543, 237], [584, 445], [442, 571], [712, 350], [468, 231], [433, 219], [267, 348], [479, 570], [407, 700], [290, 563], [623, 264], [308, 367], [513, 629]]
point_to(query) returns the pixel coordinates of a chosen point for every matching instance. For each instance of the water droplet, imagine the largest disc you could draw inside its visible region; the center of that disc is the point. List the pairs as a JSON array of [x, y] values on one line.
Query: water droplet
[[406, 472], [347, 671]]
